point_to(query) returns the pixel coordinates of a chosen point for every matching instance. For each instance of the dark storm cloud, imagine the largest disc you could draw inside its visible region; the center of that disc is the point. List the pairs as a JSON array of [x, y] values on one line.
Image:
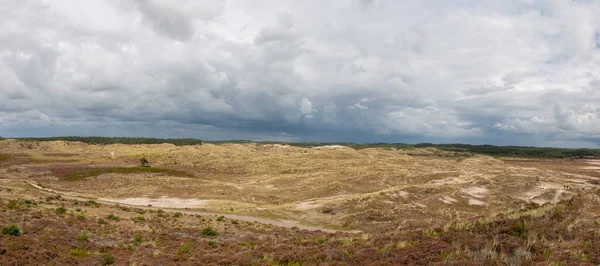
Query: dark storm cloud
[[520, 72]]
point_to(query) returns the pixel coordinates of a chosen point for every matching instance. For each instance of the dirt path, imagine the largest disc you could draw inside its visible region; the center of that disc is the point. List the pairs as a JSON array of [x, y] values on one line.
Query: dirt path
[[282, 223]]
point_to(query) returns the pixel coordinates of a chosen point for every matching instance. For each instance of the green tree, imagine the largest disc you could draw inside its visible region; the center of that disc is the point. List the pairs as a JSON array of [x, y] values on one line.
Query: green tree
[[144, 162]]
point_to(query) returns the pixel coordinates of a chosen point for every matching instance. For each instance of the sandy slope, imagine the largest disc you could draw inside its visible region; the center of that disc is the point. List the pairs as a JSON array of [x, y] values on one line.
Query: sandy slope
[[337, 186]]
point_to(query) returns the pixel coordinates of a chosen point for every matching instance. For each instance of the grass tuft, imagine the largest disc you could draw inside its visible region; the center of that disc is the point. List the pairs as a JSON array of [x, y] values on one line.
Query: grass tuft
[[185, 249], [83, 237], [80, 253]]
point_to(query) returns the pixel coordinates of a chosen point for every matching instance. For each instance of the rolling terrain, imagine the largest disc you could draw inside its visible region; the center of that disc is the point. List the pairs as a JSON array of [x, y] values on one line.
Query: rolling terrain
[[296, 205]]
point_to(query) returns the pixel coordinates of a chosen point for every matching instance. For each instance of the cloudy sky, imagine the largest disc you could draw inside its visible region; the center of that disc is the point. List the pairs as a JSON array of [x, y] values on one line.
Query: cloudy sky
[[520, 72]]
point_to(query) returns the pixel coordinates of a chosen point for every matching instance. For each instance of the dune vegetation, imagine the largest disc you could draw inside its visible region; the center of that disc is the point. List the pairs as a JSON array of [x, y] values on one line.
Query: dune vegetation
[[66, 202]]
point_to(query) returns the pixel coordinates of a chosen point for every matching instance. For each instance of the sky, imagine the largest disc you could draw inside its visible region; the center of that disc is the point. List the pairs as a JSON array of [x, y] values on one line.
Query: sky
[[520, 72]]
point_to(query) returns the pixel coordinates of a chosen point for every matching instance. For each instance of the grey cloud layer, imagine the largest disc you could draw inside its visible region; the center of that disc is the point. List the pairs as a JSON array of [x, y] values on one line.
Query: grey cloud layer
[[520, 72]]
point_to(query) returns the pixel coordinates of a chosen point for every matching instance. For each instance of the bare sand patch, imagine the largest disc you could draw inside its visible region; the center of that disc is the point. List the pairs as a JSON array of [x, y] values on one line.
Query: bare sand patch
[[441, 171], [269, 187], [162, 202], [539, 190], [545, 192], [529, 168], [281, 146], [596, 162], [473, 201], [448, 200], [329, 147], [302, 206], [476, 192], [402, 194], [277, 146], [445, 181], [421, 205]]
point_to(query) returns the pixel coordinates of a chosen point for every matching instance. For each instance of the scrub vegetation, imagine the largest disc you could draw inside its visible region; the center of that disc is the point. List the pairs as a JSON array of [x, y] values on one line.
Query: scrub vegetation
[[64, 203]]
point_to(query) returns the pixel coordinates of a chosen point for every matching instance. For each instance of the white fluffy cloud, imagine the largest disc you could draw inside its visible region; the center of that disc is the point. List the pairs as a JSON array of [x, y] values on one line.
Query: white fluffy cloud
[[516, 72]]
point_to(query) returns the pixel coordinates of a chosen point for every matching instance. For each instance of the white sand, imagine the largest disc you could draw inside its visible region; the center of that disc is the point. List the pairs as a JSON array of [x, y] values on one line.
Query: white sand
[[476, 192], [448, 199], [162, 202]]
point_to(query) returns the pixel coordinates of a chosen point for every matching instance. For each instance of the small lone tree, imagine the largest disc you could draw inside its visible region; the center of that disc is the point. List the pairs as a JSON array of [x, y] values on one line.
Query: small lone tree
[[144, 162]]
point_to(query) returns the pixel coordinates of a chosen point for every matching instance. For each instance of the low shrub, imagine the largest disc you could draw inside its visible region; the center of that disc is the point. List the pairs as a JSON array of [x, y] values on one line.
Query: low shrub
[[113, 217], [61, 210], [83, 237], [208, 231], [137, 238], [11, 229], [185, 249], [107, 259]]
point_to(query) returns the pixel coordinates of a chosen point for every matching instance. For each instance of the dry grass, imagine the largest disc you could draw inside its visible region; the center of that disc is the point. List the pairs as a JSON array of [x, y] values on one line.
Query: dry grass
[[365, 189], [499, 208], [80, 173]]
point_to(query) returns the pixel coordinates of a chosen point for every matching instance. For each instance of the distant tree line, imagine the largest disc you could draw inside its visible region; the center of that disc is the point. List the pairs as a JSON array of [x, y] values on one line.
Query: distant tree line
[[517, 151], [492, 150], [121, 140]]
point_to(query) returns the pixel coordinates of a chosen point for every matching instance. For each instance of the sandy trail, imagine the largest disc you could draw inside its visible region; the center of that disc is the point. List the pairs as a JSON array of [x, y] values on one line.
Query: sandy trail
[[112, 202], [162, 202], [596, 162], [591, 168]]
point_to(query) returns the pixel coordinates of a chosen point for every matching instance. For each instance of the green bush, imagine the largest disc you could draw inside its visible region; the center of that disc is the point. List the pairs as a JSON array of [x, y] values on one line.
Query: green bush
[[61, 210], [83, 237], [107, 259], [11, 229], [208, 231]]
